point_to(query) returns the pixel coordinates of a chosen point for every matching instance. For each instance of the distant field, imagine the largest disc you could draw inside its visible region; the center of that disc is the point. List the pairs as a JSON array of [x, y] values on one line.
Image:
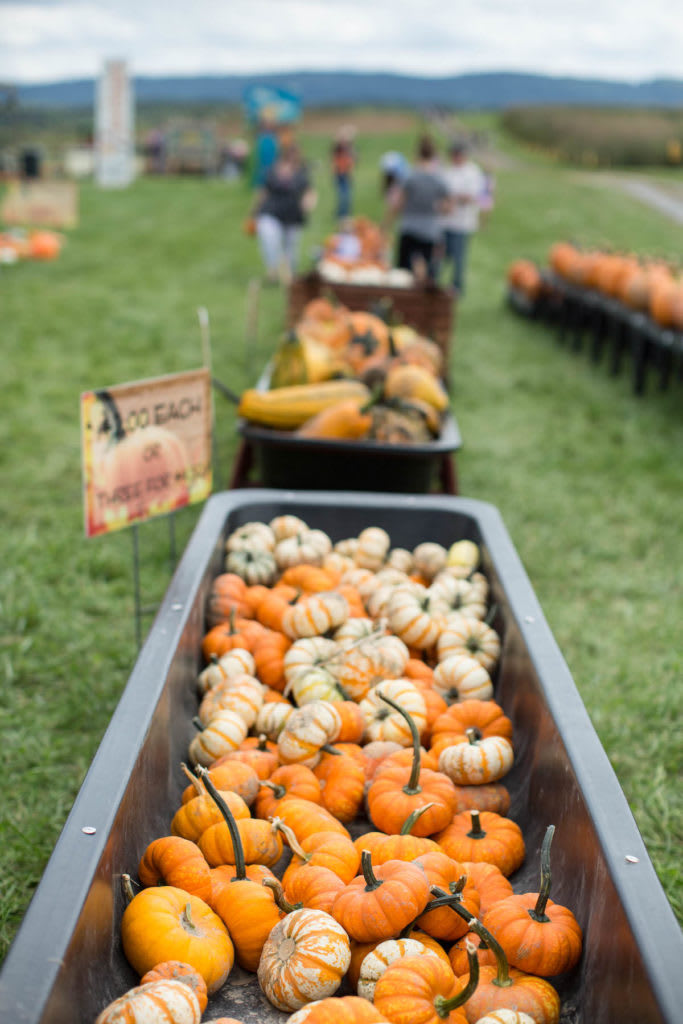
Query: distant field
[[601, 138], [587, 477]]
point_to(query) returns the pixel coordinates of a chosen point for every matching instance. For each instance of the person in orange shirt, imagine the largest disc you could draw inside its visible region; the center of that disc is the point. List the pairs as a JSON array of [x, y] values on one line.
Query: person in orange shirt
[[343, 162]]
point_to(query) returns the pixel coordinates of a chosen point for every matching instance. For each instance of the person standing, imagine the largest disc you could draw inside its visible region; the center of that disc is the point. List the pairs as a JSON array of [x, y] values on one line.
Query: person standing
[[419, 200], [465, 183], [343, 163], [265, 151], [280, 210]]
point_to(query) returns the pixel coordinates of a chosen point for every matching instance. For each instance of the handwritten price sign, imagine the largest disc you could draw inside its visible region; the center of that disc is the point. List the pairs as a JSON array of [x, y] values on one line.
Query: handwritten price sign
[[146, 449]]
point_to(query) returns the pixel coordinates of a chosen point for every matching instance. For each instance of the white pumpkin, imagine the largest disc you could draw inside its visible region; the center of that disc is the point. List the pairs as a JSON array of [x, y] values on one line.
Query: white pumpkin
[[241, 694], [304, 958], [471, 637], [373, 547], [477, 762], [307, 730], [251, 537], [461, 678], [308, 547], [158, 1002], [377, 960], [315, 614], [382, 722], [225, 732]]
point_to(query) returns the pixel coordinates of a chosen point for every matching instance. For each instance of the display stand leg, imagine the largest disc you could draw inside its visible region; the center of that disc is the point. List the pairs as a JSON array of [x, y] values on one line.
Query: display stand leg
[[136, 585], [172, 555]]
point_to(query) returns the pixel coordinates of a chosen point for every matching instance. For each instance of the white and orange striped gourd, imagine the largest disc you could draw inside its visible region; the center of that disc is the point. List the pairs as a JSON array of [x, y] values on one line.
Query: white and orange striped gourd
[[307, 730], [315, 614], [462, 678], [304, 958], [471, 637], [223, 733], [157, 1001], [478, 761], [382, 722]]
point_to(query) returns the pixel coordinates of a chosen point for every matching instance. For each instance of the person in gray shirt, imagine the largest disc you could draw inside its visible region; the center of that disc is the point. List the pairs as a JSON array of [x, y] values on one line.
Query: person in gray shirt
[[418, 202]]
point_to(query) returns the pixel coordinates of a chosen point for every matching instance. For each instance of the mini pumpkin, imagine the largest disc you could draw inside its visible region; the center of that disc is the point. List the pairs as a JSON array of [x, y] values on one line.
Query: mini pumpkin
[[416, 615], [399, 790], [477, 761], [304, 958], [245, 906], [377, 960], [538, 936], [164, 999], [385, 722], [459, 678], [307, 731], [477, 836], [176, 970], [338, 1010], [222, 734], [167, 923], [378, 904], [424, 988]]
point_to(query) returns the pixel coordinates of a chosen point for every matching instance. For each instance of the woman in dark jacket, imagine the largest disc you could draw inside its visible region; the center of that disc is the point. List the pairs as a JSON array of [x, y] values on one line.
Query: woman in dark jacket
[[281, 208]]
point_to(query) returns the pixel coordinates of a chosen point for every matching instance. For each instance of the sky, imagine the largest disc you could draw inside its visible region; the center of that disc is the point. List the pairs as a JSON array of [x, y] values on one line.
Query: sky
[[54, 40]]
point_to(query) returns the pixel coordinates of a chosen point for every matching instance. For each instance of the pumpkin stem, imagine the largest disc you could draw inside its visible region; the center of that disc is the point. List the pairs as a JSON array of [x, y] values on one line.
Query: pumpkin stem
[[193, 779], [262, 742], [291, 838], [413, 785], [186, 919], [371, 882], [444, 1006], [331, 750], [491, 614], [278, 790], [127, 886], [538, 912], [476, 832], [502, 979], [407, 826], [238, 849], [197, 724], [456, 888], [473, 736], [275, 885]]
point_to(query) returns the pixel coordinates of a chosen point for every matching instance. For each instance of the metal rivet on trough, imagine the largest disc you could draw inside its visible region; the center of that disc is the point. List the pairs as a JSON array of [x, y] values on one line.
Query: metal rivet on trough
[[529, 618], [630, 859], [176, 607], [89, 830]]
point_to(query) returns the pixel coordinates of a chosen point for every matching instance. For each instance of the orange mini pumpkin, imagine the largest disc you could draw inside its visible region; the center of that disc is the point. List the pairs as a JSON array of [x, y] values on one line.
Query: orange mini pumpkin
[[378, 904]]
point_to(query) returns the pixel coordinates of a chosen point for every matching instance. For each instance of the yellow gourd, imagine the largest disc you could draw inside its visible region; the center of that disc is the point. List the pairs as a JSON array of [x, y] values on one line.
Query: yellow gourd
[[289, 407], [416, 382]]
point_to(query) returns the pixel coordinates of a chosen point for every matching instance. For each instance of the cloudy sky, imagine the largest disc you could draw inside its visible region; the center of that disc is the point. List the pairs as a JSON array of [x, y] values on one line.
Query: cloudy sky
[[49, 40]]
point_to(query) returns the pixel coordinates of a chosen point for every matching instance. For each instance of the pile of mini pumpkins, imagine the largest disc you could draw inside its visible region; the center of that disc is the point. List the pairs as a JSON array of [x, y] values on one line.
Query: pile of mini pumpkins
[[36, 244], [358, 254], [346, 374], [650, 286], [348, 692]]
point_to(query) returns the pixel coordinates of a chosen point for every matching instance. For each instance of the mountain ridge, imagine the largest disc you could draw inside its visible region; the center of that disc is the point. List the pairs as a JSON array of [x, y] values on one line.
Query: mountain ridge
[[492, 90]]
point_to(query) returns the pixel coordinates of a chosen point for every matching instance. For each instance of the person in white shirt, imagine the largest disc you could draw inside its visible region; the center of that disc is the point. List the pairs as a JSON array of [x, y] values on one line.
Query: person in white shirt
[[465, 182]]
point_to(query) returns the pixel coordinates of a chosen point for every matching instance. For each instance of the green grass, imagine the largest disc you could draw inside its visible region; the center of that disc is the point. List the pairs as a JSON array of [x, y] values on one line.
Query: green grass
[[586, 475]]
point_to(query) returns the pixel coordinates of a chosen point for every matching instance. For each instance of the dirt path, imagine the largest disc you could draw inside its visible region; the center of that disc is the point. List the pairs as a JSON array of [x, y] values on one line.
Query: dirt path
[[666, 197], [656, 196]]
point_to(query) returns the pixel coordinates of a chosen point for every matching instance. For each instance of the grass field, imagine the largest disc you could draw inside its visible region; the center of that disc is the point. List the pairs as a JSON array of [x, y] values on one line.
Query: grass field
[[587, 477]]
